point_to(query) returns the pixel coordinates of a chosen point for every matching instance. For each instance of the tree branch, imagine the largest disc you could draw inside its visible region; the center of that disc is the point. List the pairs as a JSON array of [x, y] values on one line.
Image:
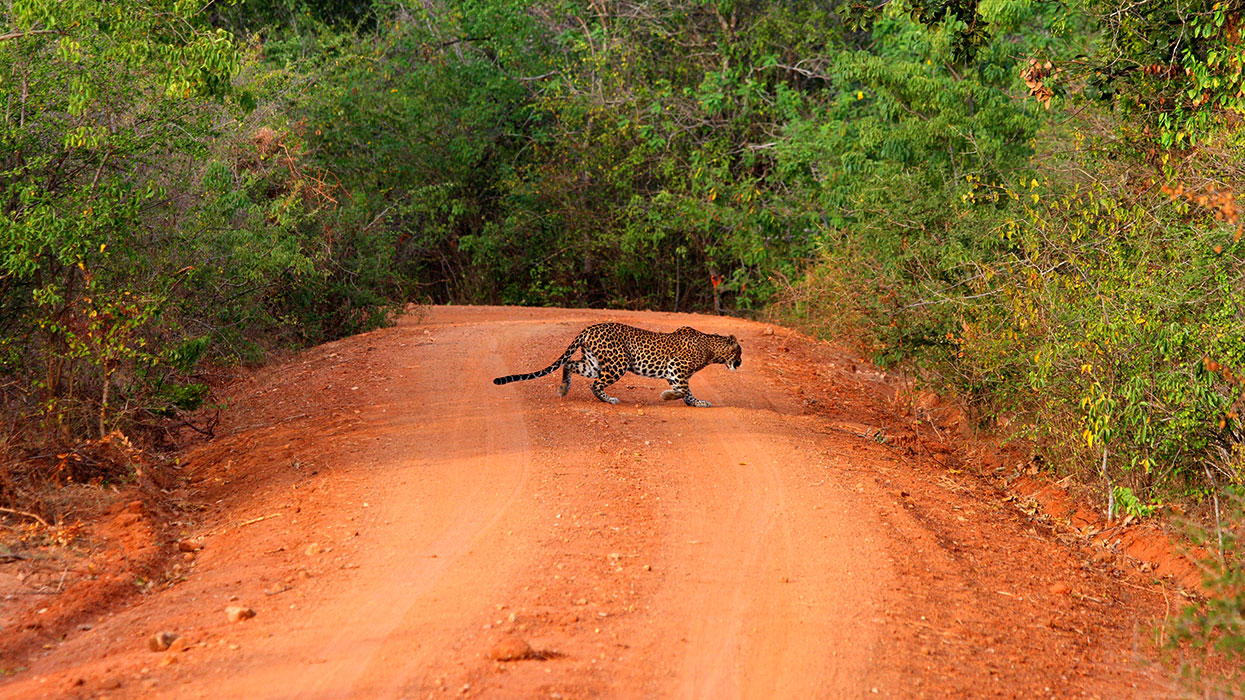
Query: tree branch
[[28, 515], [28, 32]]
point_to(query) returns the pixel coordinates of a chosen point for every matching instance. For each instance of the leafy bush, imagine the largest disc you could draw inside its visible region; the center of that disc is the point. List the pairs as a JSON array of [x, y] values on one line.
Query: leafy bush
[[1100, 308], [1086, 292], [108, 103], [150, 220]]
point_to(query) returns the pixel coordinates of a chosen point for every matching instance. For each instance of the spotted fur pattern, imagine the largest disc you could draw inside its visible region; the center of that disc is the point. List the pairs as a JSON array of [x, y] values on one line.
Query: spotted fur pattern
[[610, 350]]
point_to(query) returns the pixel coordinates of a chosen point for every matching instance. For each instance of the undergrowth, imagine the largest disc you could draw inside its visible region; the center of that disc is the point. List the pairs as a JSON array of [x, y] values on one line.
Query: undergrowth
[[1214, 629]]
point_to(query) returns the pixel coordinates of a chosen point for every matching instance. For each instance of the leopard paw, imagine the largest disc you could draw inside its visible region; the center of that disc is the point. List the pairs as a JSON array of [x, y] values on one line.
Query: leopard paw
[[671, 394]]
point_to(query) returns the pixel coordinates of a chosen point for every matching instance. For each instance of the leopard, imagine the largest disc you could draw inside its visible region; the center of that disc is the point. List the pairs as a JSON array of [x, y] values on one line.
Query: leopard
[[610, 350]]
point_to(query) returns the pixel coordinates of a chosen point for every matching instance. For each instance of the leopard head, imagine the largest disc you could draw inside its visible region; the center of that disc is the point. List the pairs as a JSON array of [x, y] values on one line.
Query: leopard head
[[727, 351]]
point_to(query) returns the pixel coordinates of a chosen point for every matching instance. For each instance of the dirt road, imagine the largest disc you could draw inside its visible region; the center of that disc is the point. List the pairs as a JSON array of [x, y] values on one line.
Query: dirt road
[[391, 516]]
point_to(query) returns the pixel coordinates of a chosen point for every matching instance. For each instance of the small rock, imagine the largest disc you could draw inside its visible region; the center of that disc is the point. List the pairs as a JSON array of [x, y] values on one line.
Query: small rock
[[238, 613], [187, 546], [510, 648], [168, 659], [769, 330], [161, 641], [178, 644], [1060, 588], [313, 549]]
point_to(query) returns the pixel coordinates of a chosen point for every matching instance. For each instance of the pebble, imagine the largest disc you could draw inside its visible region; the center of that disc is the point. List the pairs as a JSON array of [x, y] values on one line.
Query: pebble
[[238, 613], [161, 640], [510, 648], [1060, 588]]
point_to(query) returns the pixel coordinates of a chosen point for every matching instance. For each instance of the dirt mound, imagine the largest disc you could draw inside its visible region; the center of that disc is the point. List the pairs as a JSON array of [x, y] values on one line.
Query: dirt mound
[[54, 590]]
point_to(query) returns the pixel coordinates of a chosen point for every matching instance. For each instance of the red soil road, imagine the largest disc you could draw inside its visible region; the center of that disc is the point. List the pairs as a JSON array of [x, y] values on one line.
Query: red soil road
[[390, 515]]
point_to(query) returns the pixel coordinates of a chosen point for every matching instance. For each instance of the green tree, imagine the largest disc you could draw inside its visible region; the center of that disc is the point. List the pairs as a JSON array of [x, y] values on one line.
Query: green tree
[[105, 105]]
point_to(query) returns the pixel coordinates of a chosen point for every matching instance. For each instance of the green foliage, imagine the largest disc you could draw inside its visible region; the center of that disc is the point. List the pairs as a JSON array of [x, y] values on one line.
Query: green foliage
[[104, 102], [1174, 70], [1104, 312], [142, 226], [419, 127], [1084, 290], [565, 157], [1129, 504]]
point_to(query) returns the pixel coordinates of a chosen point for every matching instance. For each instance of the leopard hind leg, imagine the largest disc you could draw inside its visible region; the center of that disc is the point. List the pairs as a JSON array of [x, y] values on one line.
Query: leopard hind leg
[[587, 367], [609, 375]]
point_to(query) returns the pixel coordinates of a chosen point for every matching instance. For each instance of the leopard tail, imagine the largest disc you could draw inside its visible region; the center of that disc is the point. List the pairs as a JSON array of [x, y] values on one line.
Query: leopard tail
[[570, 350]]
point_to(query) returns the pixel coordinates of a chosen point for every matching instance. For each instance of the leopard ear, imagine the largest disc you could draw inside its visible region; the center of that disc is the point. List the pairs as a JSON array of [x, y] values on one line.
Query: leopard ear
[[732, 339]]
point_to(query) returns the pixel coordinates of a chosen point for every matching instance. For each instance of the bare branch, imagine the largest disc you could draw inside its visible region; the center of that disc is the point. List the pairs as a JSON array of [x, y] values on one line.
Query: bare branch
[[28, 515], [28, 32]]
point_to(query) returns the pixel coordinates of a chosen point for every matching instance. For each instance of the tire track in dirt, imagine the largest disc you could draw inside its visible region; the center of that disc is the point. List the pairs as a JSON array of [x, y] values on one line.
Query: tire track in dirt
[[756, 595], [779, 611], [455, 470]]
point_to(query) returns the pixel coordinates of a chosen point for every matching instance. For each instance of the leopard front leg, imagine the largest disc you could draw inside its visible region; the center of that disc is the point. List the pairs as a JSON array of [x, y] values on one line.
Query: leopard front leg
[[693, 401], [679, 389]]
